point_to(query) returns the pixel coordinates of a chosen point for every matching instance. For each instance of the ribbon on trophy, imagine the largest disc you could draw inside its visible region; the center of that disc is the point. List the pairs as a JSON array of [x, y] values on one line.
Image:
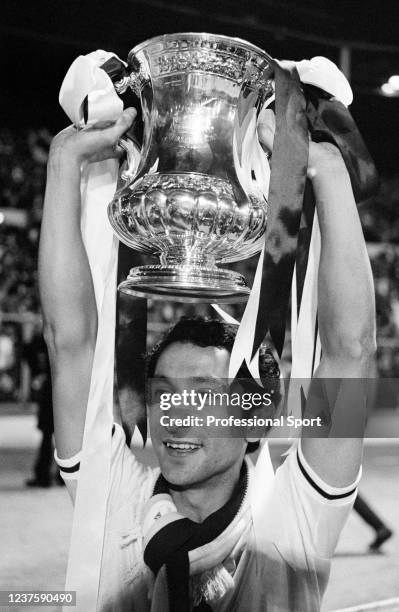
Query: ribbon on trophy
[[308, 96]]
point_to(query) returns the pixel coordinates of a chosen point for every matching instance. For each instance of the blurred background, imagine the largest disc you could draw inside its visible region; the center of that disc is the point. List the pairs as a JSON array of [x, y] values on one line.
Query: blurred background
[[39, 40]]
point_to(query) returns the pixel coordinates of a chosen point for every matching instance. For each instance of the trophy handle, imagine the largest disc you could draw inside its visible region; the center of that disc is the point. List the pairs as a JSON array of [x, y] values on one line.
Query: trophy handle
[[134, 77], [133, 158], [131, 81]]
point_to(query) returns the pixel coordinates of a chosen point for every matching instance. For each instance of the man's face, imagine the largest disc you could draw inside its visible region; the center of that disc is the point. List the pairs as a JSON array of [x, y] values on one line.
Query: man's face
[[189, 455]]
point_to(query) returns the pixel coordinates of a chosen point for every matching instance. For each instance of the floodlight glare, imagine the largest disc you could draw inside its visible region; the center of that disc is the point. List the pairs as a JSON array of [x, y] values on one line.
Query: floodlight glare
[[388, 90], [393, 81]]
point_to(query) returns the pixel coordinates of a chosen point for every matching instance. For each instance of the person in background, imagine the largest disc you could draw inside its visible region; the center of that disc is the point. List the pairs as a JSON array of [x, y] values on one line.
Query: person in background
[[382, 532], [36, 355]]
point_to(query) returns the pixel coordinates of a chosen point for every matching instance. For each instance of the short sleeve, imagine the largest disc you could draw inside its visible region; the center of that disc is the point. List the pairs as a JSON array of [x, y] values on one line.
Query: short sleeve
[[314, 512], [129, 478]]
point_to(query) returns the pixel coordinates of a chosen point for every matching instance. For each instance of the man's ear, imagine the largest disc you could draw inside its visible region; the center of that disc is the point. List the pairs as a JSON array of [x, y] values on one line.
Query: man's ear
[[252, 434]]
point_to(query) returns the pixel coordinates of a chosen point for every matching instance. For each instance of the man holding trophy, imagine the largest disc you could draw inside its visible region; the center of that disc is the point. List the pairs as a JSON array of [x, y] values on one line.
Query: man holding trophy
[[209, 530]]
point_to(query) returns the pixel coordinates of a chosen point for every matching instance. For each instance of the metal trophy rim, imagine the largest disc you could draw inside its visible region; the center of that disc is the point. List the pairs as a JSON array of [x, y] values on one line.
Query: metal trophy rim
[[206, 36], [181, 283]]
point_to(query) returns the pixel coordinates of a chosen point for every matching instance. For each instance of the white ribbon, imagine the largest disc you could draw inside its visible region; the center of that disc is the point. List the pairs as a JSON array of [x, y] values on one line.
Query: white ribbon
[[305, 338], [84, 79], [323, 73]]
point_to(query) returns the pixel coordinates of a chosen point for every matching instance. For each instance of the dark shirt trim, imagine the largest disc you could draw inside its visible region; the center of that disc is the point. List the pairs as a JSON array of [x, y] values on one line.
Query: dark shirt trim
[[70, 470], [75, 468], [318, 489]]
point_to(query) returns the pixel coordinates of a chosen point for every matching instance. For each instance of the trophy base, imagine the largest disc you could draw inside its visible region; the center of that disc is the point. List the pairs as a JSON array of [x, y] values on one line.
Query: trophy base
[[180, 283]]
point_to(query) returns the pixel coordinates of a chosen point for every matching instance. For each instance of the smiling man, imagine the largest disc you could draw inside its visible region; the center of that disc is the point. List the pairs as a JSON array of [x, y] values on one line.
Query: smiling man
[[209, 530], [202, 467]]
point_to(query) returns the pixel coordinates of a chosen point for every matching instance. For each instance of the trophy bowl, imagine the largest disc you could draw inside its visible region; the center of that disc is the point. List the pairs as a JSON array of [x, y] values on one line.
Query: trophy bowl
[[196, 197]]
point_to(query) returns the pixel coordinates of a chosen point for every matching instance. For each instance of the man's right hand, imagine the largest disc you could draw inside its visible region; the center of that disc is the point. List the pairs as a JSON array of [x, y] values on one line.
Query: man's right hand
[[91, 144]]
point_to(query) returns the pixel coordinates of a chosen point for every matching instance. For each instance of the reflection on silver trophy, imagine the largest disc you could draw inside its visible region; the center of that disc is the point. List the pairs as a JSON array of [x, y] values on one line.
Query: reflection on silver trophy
[[197, 196]]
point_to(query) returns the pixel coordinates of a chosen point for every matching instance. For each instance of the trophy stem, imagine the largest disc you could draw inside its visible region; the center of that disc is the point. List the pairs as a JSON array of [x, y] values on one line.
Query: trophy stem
[[183, 283], [187, 256]]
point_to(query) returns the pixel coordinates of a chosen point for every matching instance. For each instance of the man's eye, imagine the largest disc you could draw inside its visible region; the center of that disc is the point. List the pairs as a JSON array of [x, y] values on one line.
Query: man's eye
[[213, 389], [157, 393]]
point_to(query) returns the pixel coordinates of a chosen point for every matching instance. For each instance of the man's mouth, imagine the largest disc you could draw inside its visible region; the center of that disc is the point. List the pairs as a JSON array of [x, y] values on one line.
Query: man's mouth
[[181, 447]]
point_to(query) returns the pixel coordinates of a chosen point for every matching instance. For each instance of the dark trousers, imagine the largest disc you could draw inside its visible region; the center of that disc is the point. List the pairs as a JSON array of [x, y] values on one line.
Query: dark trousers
[[367, 514], [44, 460]]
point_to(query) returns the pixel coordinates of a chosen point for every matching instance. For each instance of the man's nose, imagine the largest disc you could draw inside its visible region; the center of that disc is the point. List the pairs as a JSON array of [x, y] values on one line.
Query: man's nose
[[178, 416], [174, 429]]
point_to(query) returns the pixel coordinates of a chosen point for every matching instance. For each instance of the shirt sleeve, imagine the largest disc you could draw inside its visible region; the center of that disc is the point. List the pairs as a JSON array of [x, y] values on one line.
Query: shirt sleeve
[[314, 512], [128, 476]]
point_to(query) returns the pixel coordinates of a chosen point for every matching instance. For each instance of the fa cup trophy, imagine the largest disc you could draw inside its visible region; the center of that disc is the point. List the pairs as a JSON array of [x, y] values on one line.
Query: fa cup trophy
[[197, 195]]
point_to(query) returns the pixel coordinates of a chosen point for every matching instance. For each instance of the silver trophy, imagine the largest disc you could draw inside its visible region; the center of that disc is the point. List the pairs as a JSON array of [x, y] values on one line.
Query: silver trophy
[[195, 198]]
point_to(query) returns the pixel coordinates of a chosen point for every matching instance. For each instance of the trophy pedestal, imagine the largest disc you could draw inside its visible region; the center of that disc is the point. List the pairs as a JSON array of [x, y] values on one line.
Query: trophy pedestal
[[182, 283]]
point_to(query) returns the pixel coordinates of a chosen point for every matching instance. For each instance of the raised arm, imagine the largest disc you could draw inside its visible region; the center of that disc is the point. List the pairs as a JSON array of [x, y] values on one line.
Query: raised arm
[[346, 314], [66, 288]]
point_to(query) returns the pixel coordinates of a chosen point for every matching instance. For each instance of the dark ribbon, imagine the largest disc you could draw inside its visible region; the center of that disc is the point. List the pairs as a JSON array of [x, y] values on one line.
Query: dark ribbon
[[287, 185], [115, 69], [330, 120], [291, 200], [171, 544]]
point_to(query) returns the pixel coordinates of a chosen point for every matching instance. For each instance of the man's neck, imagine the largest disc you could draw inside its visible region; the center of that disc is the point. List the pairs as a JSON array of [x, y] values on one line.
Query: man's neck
[[199, 501]]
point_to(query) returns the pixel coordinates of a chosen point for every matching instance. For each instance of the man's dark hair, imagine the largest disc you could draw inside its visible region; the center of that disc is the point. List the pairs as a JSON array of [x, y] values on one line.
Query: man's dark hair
[[203, 331]]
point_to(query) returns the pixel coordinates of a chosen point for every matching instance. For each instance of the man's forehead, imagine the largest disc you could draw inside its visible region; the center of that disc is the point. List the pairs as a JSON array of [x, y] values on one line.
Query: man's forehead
[[189, 382], [185, 360]]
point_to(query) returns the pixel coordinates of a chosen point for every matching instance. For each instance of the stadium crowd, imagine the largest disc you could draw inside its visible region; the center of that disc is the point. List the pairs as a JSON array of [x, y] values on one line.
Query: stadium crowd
[[23, 157]]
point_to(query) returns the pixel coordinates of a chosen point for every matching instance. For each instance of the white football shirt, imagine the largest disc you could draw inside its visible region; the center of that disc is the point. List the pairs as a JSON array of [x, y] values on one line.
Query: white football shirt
[[286, 562]]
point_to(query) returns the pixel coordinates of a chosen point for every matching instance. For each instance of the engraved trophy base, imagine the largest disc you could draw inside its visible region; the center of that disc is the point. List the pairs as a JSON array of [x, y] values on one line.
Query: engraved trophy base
[[182, 283]]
